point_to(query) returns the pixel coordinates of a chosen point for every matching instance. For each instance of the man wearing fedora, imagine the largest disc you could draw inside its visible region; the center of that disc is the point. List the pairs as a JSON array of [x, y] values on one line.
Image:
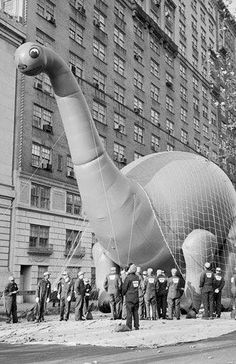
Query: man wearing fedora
[[79, 289], [43, 296]]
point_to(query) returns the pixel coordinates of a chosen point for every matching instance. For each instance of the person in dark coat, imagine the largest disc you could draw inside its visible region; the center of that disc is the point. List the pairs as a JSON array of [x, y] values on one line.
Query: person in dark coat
[[123, 275], [65, 291], [112, 286], [10, 293], [175, 291], [233, 291], [161, 291], [219, 283], [88, 289], [150, 286], [43, 293], [142, 308], [79, 289], [207, 281], [131, 292]]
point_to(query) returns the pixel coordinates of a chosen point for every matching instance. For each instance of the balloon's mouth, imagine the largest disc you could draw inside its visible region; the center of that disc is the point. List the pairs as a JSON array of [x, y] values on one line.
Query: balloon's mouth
[[30, 72], [22, 67]]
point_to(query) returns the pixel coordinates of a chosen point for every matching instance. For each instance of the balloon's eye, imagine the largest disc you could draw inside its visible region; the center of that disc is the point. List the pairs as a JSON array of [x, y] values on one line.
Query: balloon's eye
[[34, 53]]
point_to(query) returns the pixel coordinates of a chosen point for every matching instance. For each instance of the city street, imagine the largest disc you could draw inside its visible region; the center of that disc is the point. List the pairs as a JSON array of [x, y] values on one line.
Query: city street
[[221, 350]]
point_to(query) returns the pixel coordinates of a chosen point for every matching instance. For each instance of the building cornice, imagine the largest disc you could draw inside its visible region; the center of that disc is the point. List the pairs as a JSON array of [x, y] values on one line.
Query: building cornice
[[11, 31]]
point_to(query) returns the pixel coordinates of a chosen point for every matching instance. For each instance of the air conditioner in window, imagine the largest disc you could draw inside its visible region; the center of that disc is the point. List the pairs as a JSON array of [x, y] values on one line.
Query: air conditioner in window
[[47, 128], [50, 19], [157, 2], [122, 159], [117, 127], [169, 84], [155, 147], [115, 157], [38, 85], [96, 23], [71, 174], [167, 15], [80, 8], [137, 110], [96, 84], [73, 69], [136, 56], [46, 166]]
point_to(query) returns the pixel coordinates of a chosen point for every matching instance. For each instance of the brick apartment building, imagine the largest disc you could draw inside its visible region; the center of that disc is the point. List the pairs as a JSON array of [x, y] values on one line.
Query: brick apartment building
[[145, 70]]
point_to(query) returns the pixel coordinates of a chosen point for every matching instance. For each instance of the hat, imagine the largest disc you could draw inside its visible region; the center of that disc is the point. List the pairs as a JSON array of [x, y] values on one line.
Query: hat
[[150, 270], [86, 280], [132, 268], [46, 274], [173, 270], [11, 278], [218, 269], [207, 265], [159, 272], [65, 273], [113, 269], [144, 273], [81, 274]]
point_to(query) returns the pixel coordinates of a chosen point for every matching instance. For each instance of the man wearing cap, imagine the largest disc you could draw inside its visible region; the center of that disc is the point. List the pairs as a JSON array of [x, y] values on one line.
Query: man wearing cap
[[130, 290], [10, 292], [150, 286], [112, 285], [88, 289], [65, 292], [175, 291], [219, 283], [43, 293], [141, 310], [79, 289], [207, 282], [162, 291]]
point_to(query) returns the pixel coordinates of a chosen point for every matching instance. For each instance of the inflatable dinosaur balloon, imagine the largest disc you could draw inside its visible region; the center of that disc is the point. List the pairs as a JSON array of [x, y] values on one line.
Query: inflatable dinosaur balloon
[[163, 210]]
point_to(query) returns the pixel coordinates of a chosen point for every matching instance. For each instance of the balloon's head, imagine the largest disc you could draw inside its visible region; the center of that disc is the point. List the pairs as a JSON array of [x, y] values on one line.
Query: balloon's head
[[30, 59]]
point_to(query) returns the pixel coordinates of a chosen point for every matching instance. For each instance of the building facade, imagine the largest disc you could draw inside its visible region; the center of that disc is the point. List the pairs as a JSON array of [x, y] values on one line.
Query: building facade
[[145, 68]]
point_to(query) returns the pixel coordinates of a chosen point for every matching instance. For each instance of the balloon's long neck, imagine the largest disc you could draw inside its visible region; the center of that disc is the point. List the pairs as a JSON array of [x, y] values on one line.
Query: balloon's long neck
[[114, 204]]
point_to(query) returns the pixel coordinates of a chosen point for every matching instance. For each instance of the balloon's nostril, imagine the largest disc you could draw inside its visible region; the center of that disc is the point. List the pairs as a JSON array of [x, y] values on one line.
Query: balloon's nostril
[[22, 66]]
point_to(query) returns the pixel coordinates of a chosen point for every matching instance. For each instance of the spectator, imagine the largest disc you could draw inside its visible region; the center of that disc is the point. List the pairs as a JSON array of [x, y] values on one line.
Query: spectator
[[43, 296], [79, 289], [10, 293]]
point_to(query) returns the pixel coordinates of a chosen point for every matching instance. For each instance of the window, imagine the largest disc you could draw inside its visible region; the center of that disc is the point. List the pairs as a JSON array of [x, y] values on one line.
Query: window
[[99, 50], [119, 65], [197, 145], [99, 20], [195, 103], [41, 270], [182, 28], [169, 80], [138, 80], [168, 31], [43, 83], [138, 54], [183, 114], [169, 147], [183, 71], [154, 92], [99, 112], [40, 196], [138, 106], [119, 10], [155, 143], [41, 156], [119, 37], [195, 83], [155, 117], [169, 59], [76, 65], [39, 236], [41, 117], [205, 130], [205, 111], [43, 38], [196, 124], [203, 15], [154, 68], [137, 156], [73, 203], [170, 126], [183, 92], [213, 137], [154, 45], [204, 92], [184, 136], [194, 25], [194, 5], [169, 104], [69, 167], [138, 134], [76, 32], [119, 123], [72, 240], [103, 140], [138, 30], [182, 49], [99, 80], [118, 152], [59, 162], [119, 93], [46, 9]]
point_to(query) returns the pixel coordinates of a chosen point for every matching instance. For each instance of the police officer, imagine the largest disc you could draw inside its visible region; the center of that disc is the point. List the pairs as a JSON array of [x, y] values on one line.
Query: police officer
[[112, 285], [79, 289], [175, 291], [150, 287], [10, 292], [219, 283], [65, 292], [207, 281], [161, 294], [88, 289], [43, 293], [141, 310], [123, 275], [130, 290]]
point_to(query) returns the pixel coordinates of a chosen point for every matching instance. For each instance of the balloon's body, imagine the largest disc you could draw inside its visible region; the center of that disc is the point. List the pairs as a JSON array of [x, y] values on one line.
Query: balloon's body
[[163, 209]]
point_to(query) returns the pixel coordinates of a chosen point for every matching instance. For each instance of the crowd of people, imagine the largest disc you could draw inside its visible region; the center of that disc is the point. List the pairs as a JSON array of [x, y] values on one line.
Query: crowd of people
[[133, 294]]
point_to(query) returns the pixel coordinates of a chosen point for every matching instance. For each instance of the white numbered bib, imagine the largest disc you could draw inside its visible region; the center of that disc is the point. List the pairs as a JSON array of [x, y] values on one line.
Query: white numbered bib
[[209, 275], [112, 277], [151, 280], [218, 278], [175, 280], [162, 280], [135, 284]]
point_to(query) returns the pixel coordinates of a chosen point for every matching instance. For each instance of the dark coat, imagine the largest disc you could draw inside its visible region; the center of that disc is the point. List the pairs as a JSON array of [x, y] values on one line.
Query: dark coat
[[79, 287], [150, 287], [207, 280], [131, 288], [113, 284], [175, 287], [219, 282], [43, 290], [65, 289], [162, 285]]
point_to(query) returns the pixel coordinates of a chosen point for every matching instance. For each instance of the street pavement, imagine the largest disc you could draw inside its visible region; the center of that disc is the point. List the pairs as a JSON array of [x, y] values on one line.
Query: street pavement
[[221, 350]]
